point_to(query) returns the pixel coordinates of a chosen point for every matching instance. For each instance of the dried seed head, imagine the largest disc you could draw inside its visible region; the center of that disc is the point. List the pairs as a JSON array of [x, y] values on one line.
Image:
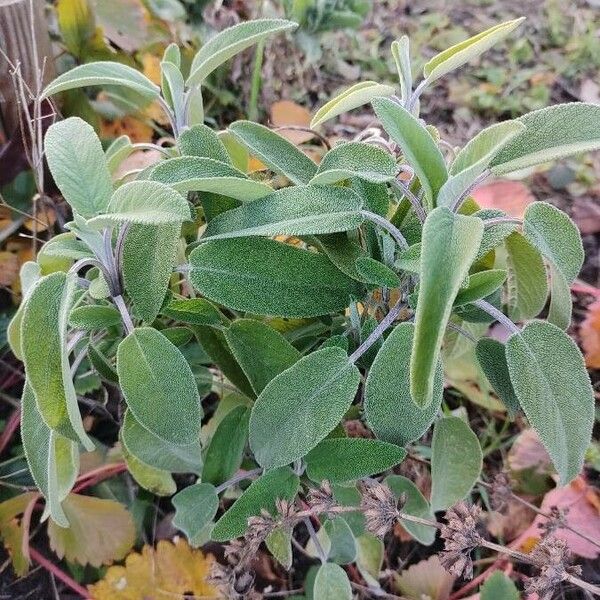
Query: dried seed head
[[460, 537], [380, 507], [223, 578], [286, 513], [321, 500], [557, 520], [501, 492]]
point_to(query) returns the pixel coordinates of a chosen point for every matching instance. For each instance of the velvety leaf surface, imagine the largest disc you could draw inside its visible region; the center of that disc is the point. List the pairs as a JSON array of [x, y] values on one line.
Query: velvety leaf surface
[[195, 508], [497, 586], [560, 310], [157, 481], [376, 273], [202, 141], [94, 316], [196, 311], [331, 583], [279, 544], [480, 285]]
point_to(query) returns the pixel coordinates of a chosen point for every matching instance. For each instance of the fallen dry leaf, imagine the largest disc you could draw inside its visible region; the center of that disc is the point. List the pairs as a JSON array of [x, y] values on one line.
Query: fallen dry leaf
[[426, 579], [134, 128], [528, 454], [589, 332], [510, 196], [9, 268], [44, 217], [286, 112], [512, 522], [137, 160]]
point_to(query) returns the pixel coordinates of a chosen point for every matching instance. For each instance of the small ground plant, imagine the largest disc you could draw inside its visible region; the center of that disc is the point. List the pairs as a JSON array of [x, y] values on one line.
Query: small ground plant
[[321, 295]]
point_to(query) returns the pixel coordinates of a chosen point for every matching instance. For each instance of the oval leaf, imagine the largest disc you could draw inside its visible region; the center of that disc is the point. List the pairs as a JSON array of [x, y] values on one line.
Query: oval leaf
[[195, 508], [332, 583]]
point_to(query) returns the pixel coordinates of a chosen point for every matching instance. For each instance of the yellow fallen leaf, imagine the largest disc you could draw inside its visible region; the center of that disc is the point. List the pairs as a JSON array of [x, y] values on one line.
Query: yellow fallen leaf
[[286, 112], [172, 571], [134, 128]]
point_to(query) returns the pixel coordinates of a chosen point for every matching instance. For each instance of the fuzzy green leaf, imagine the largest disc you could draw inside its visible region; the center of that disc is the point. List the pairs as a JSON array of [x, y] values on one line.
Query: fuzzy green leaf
[[353, 97], [493, 235], [449, 246], [376, 273], [343, 253], [156, 481], [94, 316], [355, 159], [279, 544], [346, 459], [117, 152], [560, 310], [77, 164], [553, 388], [275, 151], [401, 53], [173, 89], [370, 552], [389, 408], [102, 364], [270, 278], [456, 461], [551, 133], [298, 408], [195, 508], [200, 140], [195, 311], [332, 583], [279, 483], [499, 586], [480, 285], [159, 386], [418, 146], [231, 41]]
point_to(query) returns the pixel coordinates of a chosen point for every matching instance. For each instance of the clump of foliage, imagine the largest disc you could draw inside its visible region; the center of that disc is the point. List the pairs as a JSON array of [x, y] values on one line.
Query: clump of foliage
[[321, 302]]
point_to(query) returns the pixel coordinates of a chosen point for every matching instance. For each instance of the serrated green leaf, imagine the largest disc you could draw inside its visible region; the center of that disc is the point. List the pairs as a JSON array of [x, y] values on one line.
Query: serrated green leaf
[[353, 97], [389, 408], [499, 586], [346, 459], [527, 279], [195, 508], [463, 52], [456, 461], [94, 316], [199, 174], [480, 285], [103, 73], [376, 273], [270, 278], [418, 146], [195, 311], [296, 210], [156, 452], [275, 151], [159, 386], [332, 583], [551, 133], [553, 388], [149, 253], [279, 483], [298, 408], [279, 544], [355, 159], [260, 350], [449, 246], [229, 42], [75, 156], [200, 140]]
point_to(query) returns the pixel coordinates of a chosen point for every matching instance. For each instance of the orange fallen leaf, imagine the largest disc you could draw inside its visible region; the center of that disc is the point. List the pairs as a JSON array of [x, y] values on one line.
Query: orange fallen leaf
[[134, 128], [44, 218], [512, 197], [589, 332], [286, 112], [9, 268], [151, 67]]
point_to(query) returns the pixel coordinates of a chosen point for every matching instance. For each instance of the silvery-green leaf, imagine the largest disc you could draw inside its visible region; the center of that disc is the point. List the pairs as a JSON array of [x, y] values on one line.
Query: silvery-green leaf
[[497, 586], [480, 285], [493, 235], [118, 151], [94, 316], [156, 481], [332, 583], [560, 310], [279, 544], [195, 508], [173, 88], [401, 53], [370, 552], [200, 140]]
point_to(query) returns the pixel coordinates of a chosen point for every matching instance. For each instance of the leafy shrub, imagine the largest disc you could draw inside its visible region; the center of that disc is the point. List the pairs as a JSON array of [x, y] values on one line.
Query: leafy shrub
[[355, 272]]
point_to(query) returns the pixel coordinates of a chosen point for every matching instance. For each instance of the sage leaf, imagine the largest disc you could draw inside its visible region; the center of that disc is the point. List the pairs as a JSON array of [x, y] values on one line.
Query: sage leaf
[[94, 316], [495, 235], [401, 53], [196, 311], [74, 154], [275, 151], [449, 246], [156, 481], [29, 274], [353, 97], [553, 388], [376, 273], [560, 310], [279, 544], [332, 583], [355, 159], [498, 585], [296, 210], [173, 89], [480, 285], [547, 138], [270, 278], [340, 543], [159, 386], [346, 459], [389, 408], [200, 140], [117, 152], [343, 253], [276, 484], [298, 408], [195, 508], [102, 364], [456, 461], [370, 552], [418, 146], [229, 42]]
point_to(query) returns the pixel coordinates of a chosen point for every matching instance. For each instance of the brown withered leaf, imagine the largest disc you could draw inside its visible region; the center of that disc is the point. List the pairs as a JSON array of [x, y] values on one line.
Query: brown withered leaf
[[512, 197], [426, 579], [286, 112], [589, 333]]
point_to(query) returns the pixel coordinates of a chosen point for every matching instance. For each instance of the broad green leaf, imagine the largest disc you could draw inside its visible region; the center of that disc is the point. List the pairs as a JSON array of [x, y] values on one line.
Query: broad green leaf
[[156, 481], [463, 52], [94, 316], [65, 245], [77, 164], [226, 449], [332, 583], [418, 146], [475, 158], [279, 544], [195, 311], [144, 203], [493, 235], [376, 273], [301, 406], [200, 174], [45, 317], [173, 89], [260, 350], [401, 53], [557, 238], [480, 285], [449, 246], [389, 408], [527, 280], [275, 151], [231, 41], [340, 543], [179, 336], [491, 355], [149, 253], [553, 388], [415, 505], [551, 133], [102, 364], [370, 552], [456, 461], [156, 452], [346, 459], [159, 386], [353, 97], [355, 159], [53, 460], [295, 210], [499, 586], [195, 508], [560, 310], [238, 153], [276, 484], [375, 196], [343, 253], [410, 260], [103, 73], [270, 278], [200, 140], [118, 151]]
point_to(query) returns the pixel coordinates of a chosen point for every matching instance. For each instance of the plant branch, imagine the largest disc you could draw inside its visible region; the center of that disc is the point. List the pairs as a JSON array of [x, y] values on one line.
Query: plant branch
[[58, 573], [414, 201], [120, 304], [389, 227], [497, 314], [237, 478]]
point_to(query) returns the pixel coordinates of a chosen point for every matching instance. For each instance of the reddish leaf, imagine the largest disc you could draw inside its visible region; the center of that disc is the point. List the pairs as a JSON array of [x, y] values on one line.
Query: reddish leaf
[[589, 332], [286, 112], [510, 196]]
